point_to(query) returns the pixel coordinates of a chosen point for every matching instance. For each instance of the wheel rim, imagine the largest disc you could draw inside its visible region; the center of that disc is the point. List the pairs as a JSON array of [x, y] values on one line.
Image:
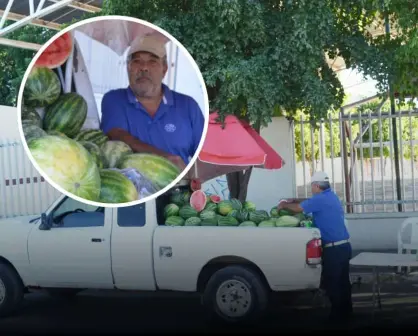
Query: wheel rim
[[2, 291], [233, 298]]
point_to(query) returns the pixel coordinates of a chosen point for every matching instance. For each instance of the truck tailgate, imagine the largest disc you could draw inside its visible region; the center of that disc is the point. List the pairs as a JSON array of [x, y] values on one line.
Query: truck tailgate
[[180, 253]]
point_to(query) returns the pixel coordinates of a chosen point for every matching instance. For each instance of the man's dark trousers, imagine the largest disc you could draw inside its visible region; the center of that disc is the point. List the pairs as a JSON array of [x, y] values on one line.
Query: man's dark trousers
[[336, 279]]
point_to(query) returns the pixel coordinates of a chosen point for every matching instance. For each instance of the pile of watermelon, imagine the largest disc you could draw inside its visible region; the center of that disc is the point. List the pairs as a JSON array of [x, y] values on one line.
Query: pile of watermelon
[[83, 162], [186, 209]]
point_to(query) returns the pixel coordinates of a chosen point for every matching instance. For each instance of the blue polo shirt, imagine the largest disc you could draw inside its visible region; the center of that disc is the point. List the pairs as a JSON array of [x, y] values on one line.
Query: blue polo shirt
[[328, 215], [176, 128]]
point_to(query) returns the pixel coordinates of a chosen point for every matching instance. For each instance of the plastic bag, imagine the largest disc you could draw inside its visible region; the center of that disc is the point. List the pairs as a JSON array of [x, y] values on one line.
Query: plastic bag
[[144, 186]]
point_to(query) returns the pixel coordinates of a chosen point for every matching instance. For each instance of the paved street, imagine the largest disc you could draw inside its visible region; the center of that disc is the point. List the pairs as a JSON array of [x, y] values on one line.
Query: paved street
[[119, 312]]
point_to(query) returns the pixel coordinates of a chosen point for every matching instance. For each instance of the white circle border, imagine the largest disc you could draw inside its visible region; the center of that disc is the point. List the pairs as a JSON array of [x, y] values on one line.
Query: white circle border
[[205, 112]]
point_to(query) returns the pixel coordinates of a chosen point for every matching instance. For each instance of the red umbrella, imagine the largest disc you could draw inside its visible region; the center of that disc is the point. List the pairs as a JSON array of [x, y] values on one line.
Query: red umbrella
[[233, 148]]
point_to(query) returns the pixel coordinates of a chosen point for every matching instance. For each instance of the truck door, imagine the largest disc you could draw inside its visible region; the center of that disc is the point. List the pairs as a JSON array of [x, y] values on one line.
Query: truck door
[[75, 250]]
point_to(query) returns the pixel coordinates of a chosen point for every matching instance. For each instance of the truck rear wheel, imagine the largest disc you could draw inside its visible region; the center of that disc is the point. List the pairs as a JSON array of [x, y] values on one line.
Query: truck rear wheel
[[235, 294], [11, 290]]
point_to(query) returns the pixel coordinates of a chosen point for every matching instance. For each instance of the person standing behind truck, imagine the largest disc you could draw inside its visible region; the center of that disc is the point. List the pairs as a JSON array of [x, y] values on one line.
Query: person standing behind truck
[[147, 115], [328, 217]]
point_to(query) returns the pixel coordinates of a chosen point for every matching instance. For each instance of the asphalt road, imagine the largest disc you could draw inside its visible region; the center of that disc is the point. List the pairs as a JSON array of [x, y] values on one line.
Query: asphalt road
[[143, 313]]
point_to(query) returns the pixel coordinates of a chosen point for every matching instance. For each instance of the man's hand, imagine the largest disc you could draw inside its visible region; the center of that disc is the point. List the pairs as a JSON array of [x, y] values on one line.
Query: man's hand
[[178, 161]]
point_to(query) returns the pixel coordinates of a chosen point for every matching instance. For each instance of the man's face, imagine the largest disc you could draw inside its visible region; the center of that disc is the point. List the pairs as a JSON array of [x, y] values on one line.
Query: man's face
[[315, 188], [146, 72]]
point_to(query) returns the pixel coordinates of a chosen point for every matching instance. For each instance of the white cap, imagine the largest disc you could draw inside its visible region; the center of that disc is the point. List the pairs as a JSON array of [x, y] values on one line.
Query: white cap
[[319, 177], [148, 43]]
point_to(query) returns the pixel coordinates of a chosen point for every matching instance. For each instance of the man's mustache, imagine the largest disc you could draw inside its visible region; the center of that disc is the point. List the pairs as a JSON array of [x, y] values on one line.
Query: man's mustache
[[142, 76]]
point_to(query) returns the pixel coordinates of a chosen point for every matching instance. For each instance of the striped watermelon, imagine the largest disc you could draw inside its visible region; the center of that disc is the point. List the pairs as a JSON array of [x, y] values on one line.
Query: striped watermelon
[[116, 188], [56, 133], [171, 210], [42, 87], [227, 221], [193, 221], [242, 215], [186, 196], [159, 170], [225, 207], [30, 115], [258, 216], [248, 223], [236, 204], [68, 164], [211, 206], [67, 115], [95, 152], [174, 221], [177, 198], [113, 151], [32, 132], [187, 211], [207, 215], [232, 213], [92, 135], [249, 206]]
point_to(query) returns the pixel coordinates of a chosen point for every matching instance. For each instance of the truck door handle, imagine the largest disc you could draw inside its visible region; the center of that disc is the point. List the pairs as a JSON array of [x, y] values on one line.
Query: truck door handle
[[96, 240]]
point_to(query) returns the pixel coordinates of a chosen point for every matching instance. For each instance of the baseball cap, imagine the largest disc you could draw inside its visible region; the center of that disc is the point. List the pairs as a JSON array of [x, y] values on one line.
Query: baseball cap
[[319, 177], [148, 43]]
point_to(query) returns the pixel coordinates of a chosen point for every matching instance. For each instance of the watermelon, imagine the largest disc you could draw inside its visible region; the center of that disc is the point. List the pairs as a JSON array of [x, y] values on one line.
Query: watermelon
[[236, 204], [249, 206], [31, 116], [242, 215], [232, 213], [193, 221], [227, 221], [187, 211], [300, 216], [198, 200], [267, 223], [68, 164], [159, 170], [116, 188], [66, 115], [225, 207], [56, 133], [274, 212], [195, 185], [186, 196], [285, 212], [287, 221], [42, 87], [57, 53], [113, 151], [92, 135], [248, 223], [215, 199], [95, 152], [208, 215], [211, 206], [171, 210], [174, 221], [258, 216], [177, 198], [209, 222], [32, 132]]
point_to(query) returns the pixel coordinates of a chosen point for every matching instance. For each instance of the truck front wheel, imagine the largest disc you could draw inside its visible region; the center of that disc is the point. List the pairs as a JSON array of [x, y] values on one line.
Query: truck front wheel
[[11, 290], [235, 294]]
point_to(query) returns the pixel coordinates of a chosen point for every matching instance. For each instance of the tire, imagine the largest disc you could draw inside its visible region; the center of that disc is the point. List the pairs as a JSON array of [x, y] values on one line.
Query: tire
[[11, 290], [247, 284]]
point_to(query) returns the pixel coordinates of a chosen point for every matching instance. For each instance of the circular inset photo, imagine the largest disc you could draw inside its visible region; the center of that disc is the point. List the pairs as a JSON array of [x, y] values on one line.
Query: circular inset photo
[[113, 111]]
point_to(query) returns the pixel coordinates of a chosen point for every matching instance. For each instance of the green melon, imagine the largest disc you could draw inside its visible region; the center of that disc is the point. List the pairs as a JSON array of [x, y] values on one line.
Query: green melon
[[66, 115], [211, 207], [267, 223], [32, 132], [113, 151], [227, 221], [207, 215], [274, 212], [209, 222], [174, 221], [177, 198], [225, 207], [232, 213], [258, 216], [56, 133], [68, 164], [92, 135], [95, 152], [171, 210], [285, 212], [31, 116], [287, 221], [159, 170], [193, 221], [186, 196], [42, 87], [249, 206], [248, 223], [236, 204], [187, 211], [242, 215], [116, 188]]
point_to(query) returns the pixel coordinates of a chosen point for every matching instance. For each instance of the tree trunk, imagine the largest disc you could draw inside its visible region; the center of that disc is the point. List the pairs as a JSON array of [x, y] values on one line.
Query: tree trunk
[[238, 184]]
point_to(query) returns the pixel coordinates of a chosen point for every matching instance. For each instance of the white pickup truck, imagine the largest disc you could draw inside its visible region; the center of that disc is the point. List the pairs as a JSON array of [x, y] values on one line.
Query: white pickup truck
[[74, 246]]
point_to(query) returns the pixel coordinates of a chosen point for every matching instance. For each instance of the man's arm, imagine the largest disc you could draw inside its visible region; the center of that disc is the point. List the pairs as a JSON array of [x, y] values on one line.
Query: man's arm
[[297, 200], [294, 207]]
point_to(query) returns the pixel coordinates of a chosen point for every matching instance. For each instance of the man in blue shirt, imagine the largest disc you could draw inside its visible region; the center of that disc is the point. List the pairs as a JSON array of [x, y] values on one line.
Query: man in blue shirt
[[147, 115], [328, 217]]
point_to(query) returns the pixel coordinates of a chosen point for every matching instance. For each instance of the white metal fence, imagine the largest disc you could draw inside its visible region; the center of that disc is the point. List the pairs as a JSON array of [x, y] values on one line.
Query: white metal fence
[[22, 190], [358, 152]]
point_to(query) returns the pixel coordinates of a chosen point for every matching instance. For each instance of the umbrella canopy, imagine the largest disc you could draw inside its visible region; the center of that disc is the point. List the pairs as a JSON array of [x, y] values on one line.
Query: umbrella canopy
[[117, 34], [234, 148]]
